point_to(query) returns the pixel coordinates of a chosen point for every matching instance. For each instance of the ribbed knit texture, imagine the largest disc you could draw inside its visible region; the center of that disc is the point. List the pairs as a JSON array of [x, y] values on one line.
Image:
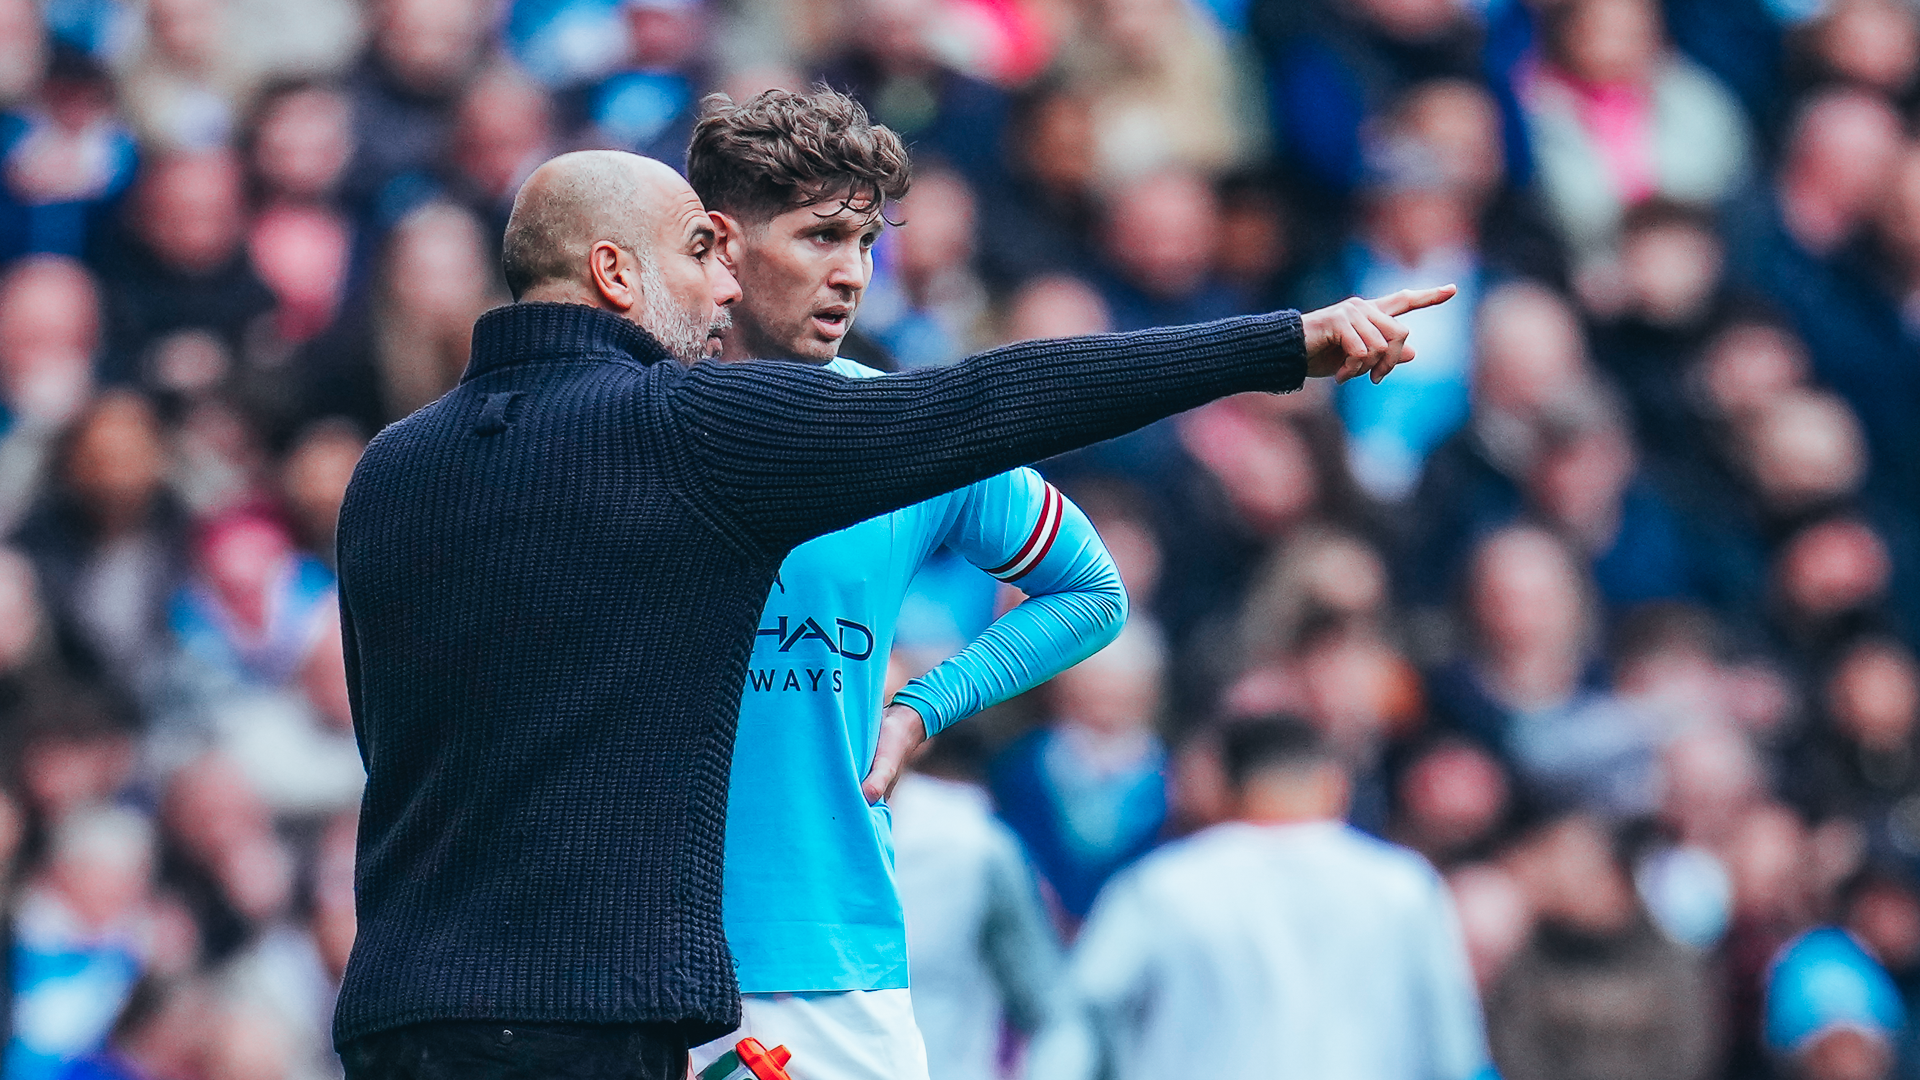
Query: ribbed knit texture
[[550, 580]]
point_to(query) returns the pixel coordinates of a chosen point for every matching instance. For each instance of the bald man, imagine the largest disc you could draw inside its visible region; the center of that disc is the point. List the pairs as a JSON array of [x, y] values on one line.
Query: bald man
[[550, 580]]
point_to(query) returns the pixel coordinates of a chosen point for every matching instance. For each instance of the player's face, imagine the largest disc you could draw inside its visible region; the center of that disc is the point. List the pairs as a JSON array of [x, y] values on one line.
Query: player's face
[[802, 274]]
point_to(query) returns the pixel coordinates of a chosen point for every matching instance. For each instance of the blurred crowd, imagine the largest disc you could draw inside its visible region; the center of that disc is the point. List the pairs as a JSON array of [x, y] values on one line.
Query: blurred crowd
[[1610, 601]]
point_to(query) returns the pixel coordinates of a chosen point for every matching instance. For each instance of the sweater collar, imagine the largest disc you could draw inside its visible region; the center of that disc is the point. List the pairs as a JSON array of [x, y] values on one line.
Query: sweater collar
[[533, 331]]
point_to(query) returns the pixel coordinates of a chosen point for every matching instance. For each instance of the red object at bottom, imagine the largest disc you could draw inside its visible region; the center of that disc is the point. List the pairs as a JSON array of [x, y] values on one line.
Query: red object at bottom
[[763, 1063]]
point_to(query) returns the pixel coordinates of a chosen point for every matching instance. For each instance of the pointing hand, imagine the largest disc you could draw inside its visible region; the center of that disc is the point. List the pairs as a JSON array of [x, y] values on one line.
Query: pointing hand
[[1358, 337]]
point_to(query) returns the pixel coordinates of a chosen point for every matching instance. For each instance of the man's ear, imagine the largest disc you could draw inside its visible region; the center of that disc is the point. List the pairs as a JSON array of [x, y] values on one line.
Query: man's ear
[[729, 240], [616, 275]]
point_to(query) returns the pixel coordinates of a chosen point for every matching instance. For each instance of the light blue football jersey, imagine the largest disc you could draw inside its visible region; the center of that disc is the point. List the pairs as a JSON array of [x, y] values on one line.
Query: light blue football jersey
[[810, 902]]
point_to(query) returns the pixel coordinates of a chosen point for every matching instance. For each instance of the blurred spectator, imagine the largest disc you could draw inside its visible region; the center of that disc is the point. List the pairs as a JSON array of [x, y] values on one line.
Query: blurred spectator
[[253, 607], [926, 305], [1795, 241], [1861, 761], [1435, 206], [1496, 920], [1041, 215], [221, 856], [291, 974], [1804, 454], [423, 54], [182, 266], [1159, 237], [1333, 68], [160, 1033], [647, 106], [49, 341], [109, 541], [1452, 800], [219, 462], [1243, 476], [1087, 793], [1616, 116], [1676, 659], [891, 62], [1881, 911], [1417, 224], [1597, 992], [1714, 780], [405, 343], [1832, 1013], [1320, 579], [23, 50], [313, 481], [1528, 687], [1259, 250], [503, 129], [293, 742], [1162, 88], [183, 89], [1586, 483], [1056, 305], [1743, 43], [1358, 692], [1770, 858], [982, 954], [30, 670], [1529, 352], [301, 240], [1461, 123], [1830, 581], [1872, 44], [1281, 941], [1669, 301], [81, 935], [65, 158]]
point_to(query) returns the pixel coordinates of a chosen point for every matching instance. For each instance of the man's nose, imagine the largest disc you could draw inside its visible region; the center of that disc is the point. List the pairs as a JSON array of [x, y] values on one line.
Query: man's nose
[[726, 290], [849, 270]]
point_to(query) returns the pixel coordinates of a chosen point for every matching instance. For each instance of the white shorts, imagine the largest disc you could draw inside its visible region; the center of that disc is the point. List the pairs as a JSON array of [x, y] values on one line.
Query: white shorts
[[843, 1035]]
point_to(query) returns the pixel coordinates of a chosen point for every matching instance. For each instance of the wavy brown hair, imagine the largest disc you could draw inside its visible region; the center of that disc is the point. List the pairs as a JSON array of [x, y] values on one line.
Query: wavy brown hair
[[783, 149]]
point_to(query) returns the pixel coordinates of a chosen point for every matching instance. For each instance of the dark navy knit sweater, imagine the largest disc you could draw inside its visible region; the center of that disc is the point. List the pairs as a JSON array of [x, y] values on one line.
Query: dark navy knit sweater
[[549, 581]]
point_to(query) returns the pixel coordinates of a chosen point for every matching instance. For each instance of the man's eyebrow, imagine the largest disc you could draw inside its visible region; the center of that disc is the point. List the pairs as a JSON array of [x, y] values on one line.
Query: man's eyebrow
[[701, 232]]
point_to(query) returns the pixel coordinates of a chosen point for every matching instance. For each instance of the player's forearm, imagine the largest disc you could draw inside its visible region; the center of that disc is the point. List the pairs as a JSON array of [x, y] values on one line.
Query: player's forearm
[[1033, 642]]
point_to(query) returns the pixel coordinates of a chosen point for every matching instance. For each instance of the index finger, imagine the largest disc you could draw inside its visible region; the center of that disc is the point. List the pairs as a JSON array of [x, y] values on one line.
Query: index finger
[[1414, 299]]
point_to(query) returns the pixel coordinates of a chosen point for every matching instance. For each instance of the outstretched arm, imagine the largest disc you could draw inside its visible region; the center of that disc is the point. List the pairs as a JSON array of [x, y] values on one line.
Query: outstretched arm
[[1020, 529], [770, 444]]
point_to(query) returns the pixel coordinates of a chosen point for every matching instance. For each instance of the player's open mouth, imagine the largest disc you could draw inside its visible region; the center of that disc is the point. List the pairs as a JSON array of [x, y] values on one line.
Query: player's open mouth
[[833, 322]]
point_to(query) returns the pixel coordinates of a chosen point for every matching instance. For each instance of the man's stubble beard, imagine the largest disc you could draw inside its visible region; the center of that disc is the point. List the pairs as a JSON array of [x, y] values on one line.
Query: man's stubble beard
[[683, 334]]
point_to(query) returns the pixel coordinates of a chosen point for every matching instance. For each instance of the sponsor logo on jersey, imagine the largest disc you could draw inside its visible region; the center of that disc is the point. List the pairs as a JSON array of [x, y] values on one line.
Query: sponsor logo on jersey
[[847, 638]]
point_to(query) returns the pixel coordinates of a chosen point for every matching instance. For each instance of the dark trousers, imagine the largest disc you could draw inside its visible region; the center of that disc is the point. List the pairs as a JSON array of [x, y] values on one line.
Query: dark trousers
[[491, 1050]]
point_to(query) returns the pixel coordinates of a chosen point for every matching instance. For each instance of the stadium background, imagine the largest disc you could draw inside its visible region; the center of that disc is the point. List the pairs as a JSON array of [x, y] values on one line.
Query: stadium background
[[1616, 584]]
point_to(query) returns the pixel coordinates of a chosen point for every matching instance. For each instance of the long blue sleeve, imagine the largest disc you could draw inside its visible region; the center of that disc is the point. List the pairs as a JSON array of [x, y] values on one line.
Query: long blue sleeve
[[1021, 530]]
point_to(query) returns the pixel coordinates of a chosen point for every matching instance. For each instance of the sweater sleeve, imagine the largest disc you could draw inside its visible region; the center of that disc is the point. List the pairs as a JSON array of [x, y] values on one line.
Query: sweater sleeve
[[1020, 529], [784, 452]]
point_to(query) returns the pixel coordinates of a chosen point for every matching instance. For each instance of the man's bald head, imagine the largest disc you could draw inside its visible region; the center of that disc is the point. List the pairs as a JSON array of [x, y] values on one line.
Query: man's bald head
[[625, 234], [576, 200]]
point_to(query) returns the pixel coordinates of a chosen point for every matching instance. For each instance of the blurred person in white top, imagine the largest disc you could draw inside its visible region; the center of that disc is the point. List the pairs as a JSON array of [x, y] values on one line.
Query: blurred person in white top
[[982, 954], [1277, 945]]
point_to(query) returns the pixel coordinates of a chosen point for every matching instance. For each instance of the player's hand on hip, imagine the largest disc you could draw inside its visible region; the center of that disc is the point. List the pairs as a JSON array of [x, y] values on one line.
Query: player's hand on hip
[[901, 733], [1364, 337]]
